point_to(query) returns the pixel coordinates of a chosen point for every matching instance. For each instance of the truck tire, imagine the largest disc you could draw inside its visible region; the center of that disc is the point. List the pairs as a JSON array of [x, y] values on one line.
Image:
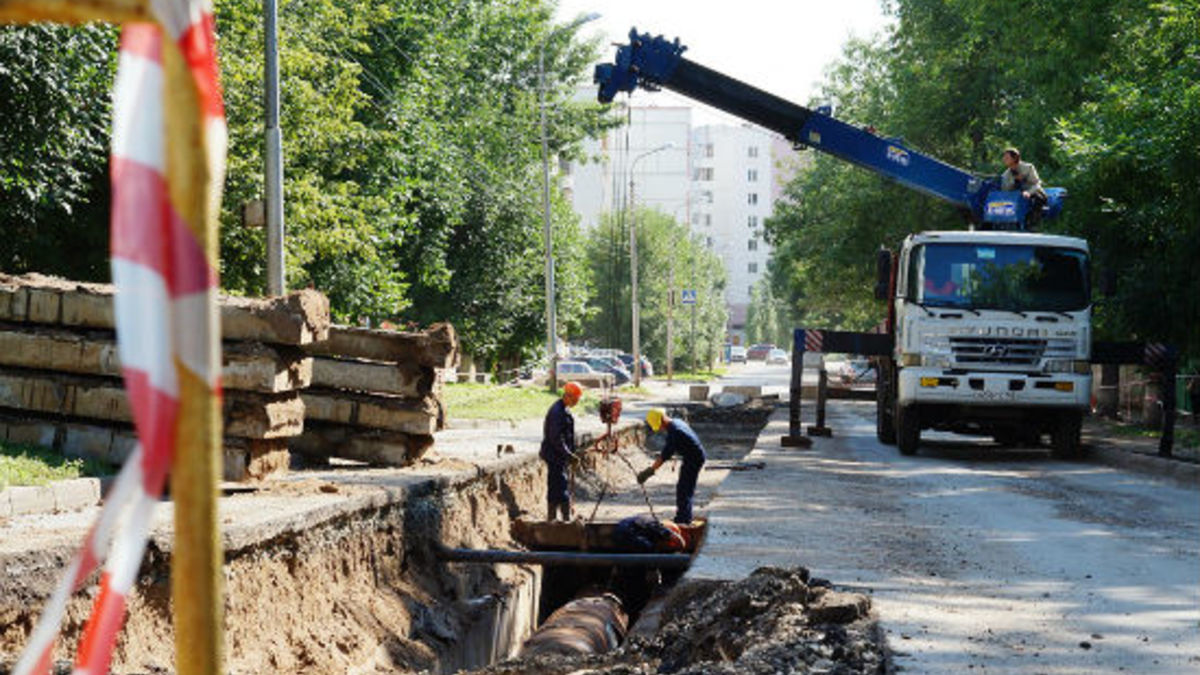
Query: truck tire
[[908, 430], [1065, 442], [885, 422]]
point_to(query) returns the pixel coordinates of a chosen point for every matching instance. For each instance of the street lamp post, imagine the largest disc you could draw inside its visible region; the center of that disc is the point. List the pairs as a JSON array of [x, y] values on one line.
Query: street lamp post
[[551, 328], [633, 264], [273, 204]]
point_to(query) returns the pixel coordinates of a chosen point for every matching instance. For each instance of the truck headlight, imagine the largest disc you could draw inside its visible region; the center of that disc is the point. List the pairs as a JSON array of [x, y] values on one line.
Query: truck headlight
[[910, 359]]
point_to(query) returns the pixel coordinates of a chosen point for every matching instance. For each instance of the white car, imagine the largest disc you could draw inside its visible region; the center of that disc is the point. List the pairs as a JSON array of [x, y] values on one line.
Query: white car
[[777, 356], [737, 354]]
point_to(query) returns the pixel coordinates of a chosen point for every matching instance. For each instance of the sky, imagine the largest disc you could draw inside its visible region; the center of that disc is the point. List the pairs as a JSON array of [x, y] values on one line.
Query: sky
[[782, 46]]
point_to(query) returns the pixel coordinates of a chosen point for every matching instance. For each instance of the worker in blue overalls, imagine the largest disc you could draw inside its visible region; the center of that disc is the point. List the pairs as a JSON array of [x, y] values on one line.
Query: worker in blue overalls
[[558, 451], [681, 441]]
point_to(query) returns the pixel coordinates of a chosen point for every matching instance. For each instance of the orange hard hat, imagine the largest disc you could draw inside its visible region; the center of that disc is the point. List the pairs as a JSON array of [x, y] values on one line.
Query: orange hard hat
[[571, 393]]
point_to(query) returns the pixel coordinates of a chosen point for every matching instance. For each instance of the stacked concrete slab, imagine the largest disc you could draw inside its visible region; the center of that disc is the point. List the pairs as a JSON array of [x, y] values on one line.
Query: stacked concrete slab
[[376, 394], [60, 375]]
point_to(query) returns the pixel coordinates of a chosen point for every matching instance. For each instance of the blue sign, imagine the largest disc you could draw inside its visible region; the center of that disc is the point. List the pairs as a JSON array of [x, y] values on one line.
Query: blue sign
[[687, 296]]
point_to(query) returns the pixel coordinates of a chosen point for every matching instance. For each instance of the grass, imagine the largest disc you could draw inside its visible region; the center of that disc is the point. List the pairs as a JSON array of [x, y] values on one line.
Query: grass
[[701, 375], [1185, 437], [31, 465], [503, 402]]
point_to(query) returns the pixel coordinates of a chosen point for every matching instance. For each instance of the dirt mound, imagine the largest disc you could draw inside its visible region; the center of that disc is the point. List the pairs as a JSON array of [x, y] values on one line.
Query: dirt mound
[[773, 621]]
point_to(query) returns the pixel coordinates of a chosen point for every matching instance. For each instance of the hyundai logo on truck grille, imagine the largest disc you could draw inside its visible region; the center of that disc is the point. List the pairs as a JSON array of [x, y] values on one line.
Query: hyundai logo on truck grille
[[996, 351]]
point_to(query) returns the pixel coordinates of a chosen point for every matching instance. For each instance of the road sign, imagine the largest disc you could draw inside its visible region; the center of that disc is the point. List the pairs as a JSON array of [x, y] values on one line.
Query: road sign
[[687, 296]]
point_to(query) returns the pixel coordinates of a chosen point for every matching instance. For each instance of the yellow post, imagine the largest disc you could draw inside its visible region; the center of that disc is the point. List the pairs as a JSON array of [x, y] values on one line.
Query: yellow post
[[195, 195], [196, 588]]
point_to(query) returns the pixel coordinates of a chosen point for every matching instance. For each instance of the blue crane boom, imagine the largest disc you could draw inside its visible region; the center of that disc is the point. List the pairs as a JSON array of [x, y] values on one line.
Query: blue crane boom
[[652, 62]]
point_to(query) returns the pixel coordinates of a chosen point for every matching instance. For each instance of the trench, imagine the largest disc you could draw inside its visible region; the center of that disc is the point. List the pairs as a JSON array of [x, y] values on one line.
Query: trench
[[728, 436], [349, 580]]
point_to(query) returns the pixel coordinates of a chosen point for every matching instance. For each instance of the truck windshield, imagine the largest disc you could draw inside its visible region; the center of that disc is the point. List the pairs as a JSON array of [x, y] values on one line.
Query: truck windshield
[[994, 276]]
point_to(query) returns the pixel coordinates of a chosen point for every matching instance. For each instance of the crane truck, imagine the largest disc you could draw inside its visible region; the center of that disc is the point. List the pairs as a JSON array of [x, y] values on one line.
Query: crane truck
[[988, 330]]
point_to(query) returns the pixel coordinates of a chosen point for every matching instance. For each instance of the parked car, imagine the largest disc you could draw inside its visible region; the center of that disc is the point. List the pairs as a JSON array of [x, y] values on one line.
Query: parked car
[[612, 366], [584, 374], [627, 361], [759, 352], [777, 356], [737, 354]]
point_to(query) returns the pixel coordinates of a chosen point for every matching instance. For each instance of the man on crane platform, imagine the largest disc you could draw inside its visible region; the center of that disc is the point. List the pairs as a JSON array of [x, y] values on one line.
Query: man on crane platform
[[558, 451], [1023, 176], [682, 441]]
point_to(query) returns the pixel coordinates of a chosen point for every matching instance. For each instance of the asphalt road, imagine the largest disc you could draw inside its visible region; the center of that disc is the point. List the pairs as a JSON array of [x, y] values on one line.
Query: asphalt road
[[978, 559]]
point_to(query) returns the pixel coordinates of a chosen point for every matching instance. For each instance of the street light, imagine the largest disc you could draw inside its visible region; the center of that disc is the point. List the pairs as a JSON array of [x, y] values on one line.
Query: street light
[[686, 204], [551, 337], [637, 350]]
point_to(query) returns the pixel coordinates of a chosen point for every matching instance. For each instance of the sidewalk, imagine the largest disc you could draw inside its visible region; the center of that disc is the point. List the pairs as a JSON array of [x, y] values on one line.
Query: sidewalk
[[1139, 453]]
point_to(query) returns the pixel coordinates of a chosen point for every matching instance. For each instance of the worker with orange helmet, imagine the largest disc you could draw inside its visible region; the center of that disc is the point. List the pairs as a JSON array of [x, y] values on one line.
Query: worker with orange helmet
[[558, 450], [684, 442]]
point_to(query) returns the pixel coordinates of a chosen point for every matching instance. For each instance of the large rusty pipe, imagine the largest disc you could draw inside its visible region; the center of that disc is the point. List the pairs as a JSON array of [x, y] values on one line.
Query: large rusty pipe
[[659, 560]]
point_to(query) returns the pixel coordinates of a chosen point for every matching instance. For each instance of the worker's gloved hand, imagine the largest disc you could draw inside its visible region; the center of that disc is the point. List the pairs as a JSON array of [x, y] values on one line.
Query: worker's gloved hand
[[644, 475]]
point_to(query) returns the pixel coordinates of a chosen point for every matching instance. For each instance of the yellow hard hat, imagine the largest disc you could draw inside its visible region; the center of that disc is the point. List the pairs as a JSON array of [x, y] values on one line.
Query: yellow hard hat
[[655, 417]]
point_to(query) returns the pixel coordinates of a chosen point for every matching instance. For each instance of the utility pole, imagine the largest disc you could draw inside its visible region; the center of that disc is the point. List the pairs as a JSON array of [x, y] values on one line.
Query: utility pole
[[671, 324], [633, 278], [633, 265], [274, 157], [551, 314]]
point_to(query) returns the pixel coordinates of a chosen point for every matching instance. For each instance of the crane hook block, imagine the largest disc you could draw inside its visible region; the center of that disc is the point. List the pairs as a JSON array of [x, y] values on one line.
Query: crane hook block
[[647, 61]]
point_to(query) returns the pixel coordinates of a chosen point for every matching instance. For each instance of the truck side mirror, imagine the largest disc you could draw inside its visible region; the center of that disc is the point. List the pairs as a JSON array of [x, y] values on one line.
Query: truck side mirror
[[1108, 282], [883, 273]]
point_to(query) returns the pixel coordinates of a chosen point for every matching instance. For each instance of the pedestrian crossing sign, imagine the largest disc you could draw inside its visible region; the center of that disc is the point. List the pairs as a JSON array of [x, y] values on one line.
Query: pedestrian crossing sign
[[687, 296]]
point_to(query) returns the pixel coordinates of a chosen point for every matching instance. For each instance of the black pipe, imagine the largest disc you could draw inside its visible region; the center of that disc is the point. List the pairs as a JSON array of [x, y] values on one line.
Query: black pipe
[[659, 560]]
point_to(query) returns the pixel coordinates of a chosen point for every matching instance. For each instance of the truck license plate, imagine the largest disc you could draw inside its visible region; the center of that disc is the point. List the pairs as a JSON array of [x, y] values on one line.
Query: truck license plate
[[994, 395]]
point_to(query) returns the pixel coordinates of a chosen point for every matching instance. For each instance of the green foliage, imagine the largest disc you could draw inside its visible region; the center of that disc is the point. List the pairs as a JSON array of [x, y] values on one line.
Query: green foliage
[[32, 465], [55, 109], [768, 318], [1133, 158], [1102, 98], [505, 402], [664, 245]]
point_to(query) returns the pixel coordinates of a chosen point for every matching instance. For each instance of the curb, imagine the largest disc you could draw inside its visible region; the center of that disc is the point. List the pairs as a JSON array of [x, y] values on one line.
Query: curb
[[1186, 473], [57, 497]]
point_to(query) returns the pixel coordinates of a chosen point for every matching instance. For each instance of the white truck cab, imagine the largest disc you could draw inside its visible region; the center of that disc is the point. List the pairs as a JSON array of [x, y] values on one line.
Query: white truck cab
[[992, 337]]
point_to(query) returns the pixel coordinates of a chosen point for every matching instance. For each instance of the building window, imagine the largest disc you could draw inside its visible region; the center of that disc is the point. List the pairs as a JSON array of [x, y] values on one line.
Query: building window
[[703, 173], [708, 149], [752, 198], [752, 221], [707, 196], [752, 268], [752, 245], [752, 151], [752, 175], [750, 290], [708, 241], [695, 218], [708, 220]]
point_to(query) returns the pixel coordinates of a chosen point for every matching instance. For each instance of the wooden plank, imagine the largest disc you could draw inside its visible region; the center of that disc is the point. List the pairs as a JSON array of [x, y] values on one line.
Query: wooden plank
[[244, 459], [374, 446], [435, 347], [400, 379], [254, 460], [247, 414], [299, 318], [412, 416], [250, 366]]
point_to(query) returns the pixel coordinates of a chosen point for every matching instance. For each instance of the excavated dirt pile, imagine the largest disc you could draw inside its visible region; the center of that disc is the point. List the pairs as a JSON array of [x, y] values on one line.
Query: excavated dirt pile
[[774, 621]]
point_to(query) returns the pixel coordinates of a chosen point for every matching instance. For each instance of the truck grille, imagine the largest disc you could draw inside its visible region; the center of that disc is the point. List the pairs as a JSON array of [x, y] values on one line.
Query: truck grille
[[997, 351]]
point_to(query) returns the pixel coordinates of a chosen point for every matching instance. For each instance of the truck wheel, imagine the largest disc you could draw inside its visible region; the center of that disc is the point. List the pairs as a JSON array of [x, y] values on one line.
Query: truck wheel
[[885, 422], [908, 430], [1065, 443]]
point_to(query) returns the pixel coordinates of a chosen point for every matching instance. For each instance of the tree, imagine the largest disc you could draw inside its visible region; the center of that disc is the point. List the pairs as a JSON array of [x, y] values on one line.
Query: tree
[[55, 105], [662, 243], [1132, 155], [1101, 98]]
